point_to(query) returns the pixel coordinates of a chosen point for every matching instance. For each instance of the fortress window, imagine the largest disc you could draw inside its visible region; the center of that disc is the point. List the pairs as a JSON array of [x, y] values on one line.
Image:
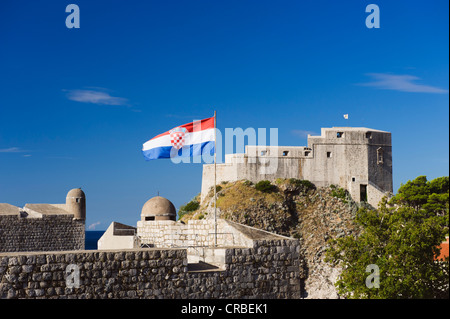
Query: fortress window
[[339, 134], [307, 153], [353, 179], [77, 200], [263, 153], [150, 218], [328, 154], [380, 156], [369, 135], [285, 153]]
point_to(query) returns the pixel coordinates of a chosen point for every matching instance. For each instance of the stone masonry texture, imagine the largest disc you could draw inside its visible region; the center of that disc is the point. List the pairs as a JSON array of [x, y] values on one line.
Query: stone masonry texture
[[269, 269], [48, 233]]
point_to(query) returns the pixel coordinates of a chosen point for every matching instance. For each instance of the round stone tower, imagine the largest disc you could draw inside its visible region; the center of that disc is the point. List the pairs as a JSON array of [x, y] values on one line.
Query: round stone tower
[[76, 203], [158, 208]]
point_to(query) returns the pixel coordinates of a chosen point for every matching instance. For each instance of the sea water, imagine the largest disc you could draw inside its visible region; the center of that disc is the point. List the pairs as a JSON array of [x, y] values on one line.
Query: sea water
[[92, 236]]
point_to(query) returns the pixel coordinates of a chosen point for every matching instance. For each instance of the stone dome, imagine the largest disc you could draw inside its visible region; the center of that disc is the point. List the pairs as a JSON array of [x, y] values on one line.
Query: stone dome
[[76, 193], [158, 208]]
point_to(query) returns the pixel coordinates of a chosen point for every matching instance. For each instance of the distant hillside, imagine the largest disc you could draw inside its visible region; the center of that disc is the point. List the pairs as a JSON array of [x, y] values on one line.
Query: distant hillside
[[288, 207]]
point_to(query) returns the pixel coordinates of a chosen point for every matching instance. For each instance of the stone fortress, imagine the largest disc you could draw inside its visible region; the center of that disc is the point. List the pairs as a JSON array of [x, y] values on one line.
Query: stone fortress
[[44, 227], [204, 240], [163, 258], [357, 159], [160, 259]]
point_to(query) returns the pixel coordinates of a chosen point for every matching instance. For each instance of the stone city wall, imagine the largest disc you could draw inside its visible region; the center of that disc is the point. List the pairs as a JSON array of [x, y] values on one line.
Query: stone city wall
[[198, 233], [46, 233], [270, 269]]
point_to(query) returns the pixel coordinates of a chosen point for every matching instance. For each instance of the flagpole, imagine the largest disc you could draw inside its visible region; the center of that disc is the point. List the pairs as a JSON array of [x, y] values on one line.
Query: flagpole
[[215, 197]]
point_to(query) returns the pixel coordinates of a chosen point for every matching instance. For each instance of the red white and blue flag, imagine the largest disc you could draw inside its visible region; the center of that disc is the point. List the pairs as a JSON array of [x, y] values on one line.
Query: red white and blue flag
[[191, 139]]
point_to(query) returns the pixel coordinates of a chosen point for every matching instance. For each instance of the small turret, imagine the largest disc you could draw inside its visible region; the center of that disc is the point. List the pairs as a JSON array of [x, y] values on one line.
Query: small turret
[[76, 203]]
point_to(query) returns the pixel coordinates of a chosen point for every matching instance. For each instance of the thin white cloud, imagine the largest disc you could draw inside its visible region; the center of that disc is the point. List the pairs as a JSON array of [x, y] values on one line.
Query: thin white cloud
[[303, 133], [12, 150], [95, 96], [93, 225], [403, 83]]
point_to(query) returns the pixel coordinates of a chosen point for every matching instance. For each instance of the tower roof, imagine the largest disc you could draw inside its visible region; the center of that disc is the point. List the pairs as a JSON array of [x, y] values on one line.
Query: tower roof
[[158, 206], [76, 192]]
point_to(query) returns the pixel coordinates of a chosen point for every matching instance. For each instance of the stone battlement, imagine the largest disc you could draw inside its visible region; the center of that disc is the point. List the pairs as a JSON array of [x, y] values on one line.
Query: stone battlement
[[357, 159], [270, 269]]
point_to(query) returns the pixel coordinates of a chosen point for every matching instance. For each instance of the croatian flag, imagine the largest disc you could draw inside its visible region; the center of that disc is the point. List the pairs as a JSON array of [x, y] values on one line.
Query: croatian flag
[[191, 139]]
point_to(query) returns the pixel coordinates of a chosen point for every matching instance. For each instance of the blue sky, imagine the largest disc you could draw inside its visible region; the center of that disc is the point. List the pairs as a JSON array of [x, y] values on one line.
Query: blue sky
[[77, 104]]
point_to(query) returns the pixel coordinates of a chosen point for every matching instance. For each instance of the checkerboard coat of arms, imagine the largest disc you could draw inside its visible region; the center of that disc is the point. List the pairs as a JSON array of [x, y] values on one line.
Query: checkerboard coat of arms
[[177, 137]]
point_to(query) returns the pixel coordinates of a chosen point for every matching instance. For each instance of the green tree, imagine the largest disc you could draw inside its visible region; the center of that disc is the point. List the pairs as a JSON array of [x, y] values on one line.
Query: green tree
[[265, 186], [189, 207], [422, 194], [402, 241]]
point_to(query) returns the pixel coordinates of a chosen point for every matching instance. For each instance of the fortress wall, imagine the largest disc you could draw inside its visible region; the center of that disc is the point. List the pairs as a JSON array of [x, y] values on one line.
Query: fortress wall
[[270, 269], [173, 234], [343, 156], [46, 233], [374, 194], [224, 172], [198, 233], [338, 164], [380, 174]]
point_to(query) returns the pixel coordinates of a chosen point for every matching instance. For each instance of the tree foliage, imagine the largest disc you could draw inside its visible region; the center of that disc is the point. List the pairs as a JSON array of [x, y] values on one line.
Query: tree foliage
[[422, 194], [189, 207], [402, 239], [265, 186], [339, 192], [307, 185]]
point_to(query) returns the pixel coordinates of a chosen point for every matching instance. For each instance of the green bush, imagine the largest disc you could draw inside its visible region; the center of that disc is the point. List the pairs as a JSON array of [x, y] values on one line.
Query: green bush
[[247, 183], [339, 192], [302, 183], [189, 207], [211, 190], [264, 186]]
